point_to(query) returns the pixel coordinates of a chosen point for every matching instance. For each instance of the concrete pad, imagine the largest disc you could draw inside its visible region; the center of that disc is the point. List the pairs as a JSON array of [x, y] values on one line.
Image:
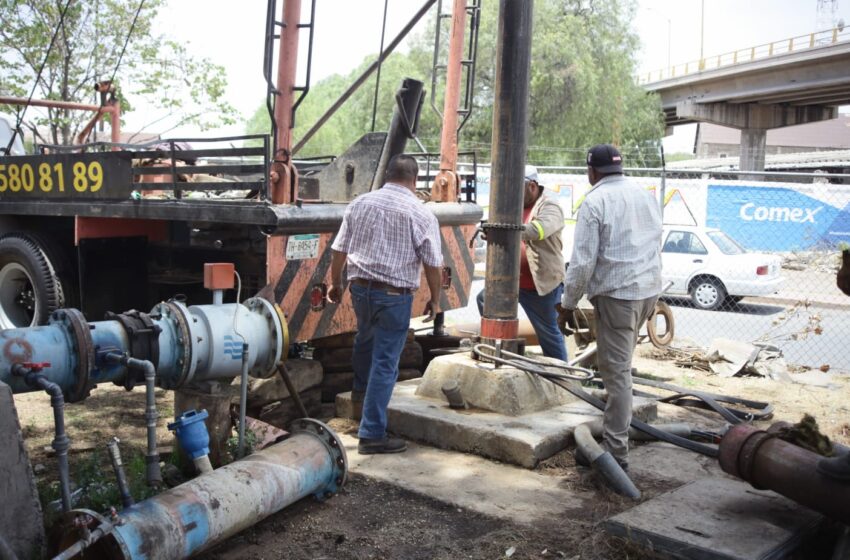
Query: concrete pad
[[469, 482], [21, 524], [504, 390], [520, 440], [717, 519]]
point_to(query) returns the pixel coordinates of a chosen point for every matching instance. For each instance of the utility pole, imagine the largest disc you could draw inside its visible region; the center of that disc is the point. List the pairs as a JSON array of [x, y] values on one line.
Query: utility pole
[[702, 36]]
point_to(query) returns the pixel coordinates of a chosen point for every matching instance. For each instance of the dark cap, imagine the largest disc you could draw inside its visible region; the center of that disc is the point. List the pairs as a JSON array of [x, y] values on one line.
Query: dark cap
[[605, 158]]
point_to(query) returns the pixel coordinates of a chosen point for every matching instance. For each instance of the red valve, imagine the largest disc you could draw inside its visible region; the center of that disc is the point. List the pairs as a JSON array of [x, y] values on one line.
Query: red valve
[[35, 366]]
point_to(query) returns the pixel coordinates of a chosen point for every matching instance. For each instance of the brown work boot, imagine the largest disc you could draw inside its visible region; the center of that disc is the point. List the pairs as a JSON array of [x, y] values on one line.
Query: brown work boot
[[357, 404], [368, 446]]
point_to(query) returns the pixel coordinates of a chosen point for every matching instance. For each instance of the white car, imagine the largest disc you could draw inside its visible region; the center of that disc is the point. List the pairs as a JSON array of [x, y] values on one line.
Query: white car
[[712, 268]]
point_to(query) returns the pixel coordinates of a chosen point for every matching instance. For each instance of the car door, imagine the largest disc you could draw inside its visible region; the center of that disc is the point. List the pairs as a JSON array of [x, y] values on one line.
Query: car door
[[682, 256]]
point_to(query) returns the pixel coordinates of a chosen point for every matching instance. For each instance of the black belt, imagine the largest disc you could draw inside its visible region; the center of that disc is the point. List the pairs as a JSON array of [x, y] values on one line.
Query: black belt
[[382, 286]]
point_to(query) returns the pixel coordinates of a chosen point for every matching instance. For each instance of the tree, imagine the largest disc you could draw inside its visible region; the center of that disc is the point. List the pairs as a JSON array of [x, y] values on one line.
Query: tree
[[153, 70], [581, 90]]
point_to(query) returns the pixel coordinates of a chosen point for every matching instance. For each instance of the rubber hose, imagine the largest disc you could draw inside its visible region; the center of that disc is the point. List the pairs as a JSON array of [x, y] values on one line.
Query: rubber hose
[[663, 310]]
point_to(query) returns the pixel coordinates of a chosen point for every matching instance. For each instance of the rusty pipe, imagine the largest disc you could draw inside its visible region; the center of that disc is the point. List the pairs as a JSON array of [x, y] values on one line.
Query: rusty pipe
[[445, 186], [203, 512], [769, 463], [48, 103]]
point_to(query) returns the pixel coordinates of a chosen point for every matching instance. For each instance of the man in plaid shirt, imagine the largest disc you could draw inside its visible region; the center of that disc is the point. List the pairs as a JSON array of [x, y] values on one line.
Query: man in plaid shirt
[[384, 237]]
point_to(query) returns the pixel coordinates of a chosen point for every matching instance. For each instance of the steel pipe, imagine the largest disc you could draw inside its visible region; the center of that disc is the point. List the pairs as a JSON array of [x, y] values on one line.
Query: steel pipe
[[201, 513], [118, 468], [769, 463], [510, 125]]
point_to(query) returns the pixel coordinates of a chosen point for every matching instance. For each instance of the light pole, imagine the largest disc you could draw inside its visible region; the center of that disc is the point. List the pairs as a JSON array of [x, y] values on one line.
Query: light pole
[[701, 35], [669, 31]]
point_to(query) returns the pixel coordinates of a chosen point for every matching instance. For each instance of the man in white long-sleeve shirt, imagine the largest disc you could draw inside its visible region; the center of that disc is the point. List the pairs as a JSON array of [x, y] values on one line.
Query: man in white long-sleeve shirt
[[616, 261]]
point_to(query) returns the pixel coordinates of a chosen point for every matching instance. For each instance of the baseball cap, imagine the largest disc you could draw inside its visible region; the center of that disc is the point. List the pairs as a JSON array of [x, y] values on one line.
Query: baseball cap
[[605, 158], [531, 174]]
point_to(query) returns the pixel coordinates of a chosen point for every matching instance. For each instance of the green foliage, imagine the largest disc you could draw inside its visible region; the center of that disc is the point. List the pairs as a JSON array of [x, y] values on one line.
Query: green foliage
[[154, 70], [582, 90]]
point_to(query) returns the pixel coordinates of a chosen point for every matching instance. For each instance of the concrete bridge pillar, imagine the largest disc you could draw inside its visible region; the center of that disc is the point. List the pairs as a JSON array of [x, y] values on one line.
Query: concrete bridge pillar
[[753, 145]]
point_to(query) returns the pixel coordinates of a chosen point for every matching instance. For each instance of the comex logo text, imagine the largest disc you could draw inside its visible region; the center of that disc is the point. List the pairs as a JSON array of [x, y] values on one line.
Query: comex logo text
[[750, 212]]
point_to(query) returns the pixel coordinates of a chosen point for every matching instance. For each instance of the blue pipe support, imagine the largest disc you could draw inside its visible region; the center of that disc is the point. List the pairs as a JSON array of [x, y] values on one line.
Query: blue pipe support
[[197, 343], [213, 507]]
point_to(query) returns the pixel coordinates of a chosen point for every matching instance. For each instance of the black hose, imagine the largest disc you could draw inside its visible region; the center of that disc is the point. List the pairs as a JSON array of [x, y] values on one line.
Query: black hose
[[560, 379]]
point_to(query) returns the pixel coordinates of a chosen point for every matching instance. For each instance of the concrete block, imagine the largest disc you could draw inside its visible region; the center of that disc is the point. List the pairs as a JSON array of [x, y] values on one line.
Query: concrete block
[[283, 412], [503, 390], [21, 524], [717, 519], [305, 374], [520, 440]]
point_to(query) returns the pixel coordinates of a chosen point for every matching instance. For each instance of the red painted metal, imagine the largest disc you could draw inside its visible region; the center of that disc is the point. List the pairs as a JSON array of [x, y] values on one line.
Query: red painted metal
[[49, 104], [286, 183], [445, 186], [95, 228], [499, 329], [767, 462]]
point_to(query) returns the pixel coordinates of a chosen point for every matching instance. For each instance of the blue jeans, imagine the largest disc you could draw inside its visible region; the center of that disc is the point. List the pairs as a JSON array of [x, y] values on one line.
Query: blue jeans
[[541, 312], [382, 324]]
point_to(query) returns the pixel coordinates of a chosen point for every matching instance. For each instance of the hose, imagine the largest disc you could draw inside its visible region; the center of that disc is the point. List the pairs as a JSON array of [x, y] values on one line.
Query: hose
[[61, 443], [604, 462], [533, 366]]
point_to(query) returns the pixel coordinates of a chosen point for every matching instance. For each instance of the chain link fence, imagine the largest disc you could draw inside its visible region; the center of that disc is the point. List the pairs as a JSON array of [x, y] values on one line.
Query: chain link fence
[[750, 257]]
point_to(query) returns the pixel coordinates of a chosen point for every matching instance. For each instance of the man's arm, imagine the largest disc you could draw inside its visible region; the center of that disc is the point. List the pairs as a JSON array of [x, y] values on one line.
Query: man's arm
[[434, 277], [548, 221], [583, 261], [337, 263]]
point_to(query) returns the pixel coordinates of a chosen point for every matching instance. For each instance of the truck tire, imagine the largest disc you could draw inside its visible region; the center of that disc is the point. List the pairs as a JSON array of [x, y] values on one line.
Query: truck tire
[[30, 288]]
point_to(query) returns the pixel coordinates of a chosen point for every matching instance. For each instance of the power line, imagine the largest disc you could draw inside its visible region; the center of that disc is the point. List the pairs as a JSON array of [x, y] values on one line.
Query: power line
[[38, 76], [126, 41]]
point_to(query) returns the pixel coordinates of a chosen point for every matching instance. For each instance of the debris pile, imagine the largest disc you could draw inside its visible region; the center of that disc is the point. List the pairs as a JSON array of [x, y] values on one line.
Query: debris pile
[[812, 261]]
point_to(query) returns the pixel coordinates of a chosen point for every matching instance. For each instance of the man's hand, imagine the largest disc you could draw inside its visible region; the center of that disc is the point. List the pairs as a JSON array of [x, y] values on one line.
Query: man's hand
[[431, 310], [335, 293], [566, 319]]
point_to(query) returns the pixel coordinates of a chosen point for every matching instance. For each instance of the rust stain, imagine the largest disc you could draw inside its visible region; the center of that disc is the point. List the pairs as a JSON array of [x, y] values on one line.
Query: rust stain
[[17, 350]]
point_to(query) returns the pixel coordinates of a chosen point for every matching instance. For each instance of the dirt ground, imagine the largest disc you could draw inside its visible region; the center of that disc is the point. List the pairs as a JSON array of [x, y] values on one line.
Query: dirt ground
[[372, 519]]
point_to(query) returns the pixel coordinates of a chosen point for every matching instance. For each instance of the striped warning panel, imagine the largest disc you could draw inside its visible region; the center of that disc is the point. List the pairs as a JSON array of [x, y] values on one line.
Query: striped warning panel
[[292, 281]]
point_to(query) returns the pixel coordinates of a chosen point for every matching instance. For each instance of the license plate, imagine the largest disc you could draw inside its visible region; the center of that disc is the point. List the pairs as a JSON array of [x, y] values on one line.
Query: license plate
[[300, 247]]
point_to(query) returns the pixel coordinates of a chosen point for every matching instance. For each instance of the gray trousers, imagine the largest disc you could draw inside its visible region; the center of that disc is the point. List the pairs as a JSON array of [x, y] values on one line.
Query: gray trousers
[[618, 322]]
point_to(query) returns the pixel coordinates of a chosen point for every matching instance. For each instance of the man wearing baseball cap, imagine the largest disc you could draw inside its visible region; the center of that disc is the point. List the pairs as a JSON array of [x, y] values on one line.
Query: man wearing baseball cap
[[541, 268], [616, 261]]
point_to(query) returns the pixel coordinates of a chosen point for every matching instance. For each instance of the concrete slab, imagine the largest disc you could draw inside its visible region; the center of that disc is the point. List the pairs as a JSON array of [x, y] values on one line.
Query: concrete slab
[[469, 482], [520, 440], [717, 519], [505, 390], [21, 525]]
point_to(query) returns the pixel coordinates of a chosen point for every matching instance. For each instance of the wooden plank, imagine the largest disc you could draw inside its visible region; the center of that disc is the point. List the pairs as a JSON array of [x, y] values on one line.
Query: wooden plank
[[717, 519]]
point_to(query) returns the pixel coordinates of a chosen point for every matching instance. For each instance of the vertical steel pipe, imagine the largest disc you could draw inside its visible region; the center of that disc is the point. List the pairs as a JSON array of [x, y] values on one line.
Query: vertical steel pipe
[[282, 189], [769, 463], [445, 184], [197, 515], [510, 126], [409, 99]]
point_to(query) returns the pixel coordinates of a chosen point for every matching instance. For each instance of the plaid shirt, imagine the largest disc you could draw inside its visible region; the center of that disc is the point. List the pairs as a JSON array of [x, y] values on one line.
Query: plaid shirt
[[386, 235], [617, 247]]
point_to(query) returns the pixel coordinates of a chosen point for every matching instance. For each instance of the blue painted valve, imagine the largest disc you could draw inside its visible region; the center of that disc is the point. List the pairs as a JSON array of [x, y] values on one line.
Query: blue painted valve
[[191, 432]]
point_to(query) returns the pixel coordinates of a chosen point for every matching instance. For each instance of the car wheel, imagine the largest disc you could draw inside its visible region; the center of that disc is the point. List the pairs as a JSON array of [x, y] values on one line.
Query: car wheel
[[707, 293], [30, 289]]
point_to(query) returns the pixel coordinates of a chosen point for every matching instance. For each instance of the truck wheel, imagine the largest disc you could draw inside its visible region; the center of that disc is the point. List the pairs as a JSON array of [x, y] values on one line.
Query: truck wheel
[[30, 289], [708, 293]]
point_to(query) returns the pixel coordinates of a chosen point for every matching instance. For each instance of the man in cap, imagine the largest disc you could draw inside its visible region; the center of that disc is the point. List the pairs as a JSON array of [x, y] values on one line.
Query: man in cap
[[616, 261], [541, 273]]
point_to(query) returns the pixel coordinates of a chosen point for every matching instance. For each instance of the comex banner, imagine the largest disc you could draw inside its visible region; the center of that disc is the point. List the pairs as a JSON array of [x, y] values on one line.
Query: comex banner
[[789, 218]]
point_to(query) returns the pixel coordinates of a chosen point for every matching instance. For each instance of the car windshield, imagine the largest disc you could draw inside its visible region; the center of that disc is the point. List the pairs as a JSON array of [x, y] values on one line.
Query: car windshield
[[726, 244]]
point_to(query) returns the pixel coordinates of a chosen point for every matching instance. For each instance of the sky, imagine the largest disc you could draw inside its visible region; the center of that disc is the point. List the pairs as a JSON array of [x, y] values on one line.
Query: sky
[[348, 30]]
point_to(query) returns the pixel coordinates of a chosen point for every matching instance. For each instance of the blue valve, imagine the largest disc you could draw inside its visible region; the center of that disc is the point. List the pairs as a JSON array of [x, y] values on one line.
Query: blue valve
[[191, 432]]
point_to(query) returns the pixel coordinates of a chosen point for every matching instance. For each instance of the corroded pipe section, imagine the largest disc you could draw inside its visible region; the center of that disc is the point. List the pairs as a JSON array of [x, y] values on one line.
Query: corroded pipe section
[[201, 513], [769, 463]]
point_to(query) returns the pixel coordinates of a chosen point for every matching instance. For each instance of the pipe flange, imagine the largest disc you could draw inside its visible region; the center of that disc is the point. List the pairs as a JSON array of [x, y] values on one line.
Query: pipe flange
[[179, 314], [335, 447], [739, 450], [280, 335], [76, 324]]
